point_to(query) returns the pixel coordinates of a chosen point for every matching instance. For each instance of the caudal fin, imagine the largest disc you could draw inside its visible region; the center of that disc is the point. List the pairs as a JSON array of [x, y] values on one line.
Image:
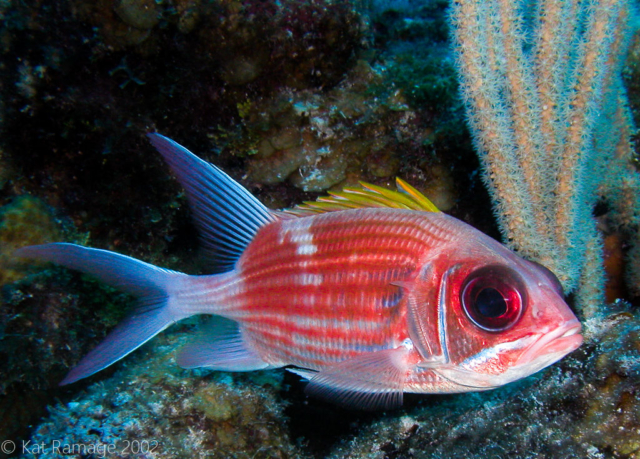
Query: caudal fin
[[228, 217], [152, 285]]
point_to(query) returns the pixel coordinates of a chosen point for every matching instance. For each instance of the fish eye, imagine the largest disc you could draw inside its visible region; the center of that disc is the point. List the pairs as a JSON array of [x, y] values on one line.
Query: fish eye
[[493, 297]]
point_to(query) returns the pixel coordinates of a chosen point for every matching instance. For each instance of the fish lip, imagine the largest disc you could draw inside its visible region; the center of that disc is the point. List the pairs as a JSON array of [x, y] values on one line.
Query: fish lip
[[562, 340], [546, 348]]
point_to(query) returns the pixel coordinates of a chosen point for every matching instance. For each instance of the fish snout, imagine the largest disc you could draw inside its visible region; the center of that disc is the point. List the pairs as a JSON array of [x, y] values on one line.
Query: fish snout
[[554, 345]]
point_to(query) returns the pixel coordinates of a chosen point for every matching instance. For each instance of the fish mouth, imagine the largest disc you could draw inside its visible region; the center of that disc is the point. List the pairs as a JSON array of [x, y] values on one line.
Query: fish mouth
[[546, 349], [552, 346]]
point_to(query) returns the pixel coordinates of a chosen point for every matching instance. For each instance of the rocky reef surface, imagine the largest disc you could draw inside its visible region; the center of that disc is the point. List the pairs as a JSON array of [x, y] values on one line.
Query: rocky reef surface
[[151, 408]]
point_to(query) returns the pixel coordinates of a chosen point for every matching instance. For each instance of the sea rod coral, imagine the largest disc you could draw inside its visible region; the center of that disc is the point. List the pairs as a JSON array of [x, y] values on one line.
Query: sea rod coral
[[542, 86]]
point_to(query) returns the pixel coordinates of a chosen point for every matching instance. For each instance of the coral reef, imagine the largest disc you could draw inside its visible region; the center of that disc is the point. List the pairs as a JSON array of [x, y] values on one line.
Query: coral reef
[[318, 141], [291, 98], [151, 408], [321, 140]]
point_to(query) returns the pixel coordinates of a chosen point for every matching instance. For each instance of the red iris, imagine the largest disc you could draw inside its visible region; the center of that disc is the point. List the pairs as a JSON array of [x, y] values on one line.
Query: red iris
[[493, 297]]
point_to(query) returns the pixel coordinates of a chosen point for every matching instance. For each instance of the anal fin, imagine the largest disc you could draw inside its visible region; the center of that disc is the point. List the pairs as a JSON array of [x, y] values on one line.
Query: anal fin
[[220, 346], [370, 381]]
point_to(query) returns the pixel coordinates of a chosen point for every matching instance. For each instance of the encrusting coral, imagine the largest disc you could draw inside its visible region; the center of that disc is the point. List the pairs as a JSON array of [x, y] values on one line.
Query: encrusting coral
[[154, 409], [320, 140]]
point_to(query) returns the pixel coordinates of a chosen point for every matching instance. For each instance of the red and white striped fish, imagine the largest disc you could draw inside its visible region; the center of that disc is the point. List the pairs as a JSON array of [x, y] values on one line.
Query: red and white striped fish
[[369, 294]]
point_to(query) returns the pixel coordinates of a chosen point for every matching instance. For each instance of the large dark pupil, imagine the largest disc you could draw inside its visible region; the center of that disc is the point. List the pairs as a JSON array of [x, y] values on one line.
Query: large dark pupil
[[490, 303]]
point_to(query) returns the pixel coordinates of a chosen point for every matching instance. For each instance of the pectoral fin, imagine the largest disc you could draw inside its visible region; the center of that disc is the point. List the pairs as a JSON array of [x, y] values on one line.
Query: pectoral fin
[[371, 381]]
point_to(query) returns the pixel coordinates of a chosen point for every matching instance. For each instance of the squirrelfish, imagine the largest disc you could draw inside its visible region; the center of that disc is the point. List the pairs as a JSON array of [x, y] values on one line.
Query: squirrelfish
[[368, 294]]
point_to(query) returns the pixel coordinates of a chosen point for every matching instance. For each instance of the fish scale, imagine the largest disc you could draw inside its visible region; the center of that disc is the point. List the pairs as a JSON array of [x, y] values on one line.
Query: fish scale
[[370, 293], [351, 294]]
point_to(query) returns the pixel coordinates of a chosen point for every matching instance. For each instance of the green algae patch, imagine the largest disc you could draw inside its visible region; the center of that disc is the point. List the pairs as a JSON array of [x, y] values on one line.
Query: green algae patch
[[25, 221], [215, 403]]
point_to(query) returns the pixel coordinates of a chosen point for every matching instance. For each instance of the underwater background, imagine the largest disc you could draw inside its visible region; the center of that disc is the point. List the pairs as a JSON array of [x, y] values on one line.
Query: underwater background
[[291, 98]]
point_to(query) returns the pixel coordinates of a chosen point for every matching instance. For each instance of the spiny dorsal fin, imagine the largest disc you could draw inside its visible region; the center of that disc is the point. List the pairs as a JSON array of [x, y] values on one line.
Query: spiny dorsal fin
[[367, 195]]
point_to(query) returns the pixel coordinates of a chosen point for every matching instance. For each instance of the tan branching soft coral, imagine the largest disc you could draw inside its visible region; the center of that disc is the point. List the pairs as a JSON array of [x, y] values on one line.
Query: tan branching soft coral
[[550, 125]]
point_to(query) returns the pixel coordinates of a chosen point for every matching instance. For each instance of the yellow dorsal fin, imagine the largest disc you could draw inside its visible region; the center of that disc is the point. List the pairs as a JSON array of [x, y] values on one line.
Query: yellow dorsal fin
[[367, 195]]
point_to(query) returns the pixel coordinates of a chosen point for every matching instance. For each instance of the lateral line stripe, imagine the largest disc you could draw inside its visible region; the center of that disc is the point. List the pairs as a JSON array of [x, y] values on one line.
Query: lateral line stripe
[[350, 241], [319, 306], [339, 282]]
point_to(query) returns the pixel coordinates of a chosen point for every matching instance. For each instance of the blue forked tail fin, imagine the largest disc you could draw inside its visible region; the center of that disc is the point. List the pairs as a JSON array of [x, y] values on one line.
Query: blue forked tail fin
[[228, 218], [152, 285]]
